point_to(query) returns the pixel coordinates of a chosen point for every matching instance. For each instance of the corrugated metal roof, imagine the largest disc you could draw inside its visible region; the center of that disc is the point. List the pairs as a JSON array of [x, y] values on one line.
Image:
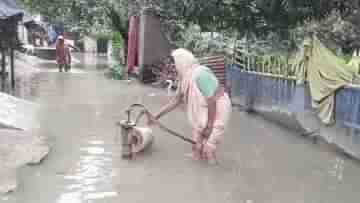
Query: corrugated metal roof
[[27, 18], [9, 8]]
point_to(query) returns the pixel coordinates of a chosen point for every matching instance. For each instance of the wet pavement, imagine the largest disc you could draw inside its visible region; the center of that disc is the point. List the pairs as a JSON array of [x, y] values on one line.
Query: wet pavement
[[259, 162]]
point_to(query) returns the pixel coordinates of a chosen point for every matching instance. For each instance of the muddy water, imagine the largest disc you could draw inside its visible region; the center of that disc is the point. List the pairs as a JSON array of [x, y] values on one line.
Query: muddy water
[[259, 162]]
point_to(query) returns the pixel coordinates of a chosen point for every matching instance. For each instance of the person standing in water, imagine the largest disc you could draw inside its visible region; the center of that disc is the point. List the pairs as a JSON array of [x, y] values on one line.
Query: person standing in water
[[63, 56], [208, 105]]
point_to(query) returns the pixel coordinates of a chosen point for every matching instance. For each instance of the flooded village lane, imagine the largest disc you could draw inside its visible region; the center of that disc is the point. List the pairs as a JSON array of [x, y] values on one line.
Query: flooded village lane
[[259, 162]]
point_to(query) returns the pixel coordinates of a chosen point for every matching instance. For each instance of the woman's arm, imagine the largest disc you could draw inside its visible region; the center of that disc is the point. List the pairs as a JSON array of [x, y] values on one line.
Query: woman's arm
[[207, 83], [69, 54], [211, 112], [211, 102], [169, 107]]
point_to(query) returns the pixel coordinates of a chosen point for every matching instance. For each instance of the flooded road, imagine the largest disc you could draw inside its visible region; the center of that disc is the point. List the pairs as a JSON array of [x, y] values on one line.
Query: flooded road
[[259, 162]]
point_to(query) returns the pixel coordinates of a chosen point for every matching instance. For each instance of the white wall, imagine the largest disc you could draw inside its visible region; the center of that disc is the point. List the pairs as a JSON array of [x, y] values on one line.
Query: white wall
[[90, 44], [23, 34]]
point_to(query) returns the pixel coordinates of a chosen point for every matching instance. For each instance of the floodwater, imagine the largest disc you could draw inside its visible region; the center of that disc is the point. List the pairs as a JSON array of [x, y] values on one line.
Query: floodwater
[[259, 162]]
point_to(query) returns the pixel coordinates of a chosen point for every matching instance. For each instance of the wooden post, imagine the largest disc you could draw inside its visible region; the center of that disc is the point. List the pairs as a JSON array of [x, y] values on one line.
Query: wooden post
[[12, 67], [3, 69], [3, 63]]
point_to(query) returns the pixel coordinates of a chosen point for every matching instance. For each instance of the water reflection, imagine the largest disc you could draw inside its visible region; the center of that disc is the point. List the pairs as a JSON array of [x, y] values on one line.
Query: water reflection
[[96, 142], [337, 169], [92, 170], [81, 61], [70, 198], [94, 150], [100, 195], [74, 186], [26, 83]]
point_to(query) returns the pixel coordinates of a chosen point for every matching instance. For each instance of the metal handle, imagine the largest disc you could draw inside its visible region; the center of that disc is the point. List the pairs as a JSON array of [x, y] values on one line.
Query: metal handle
[[146, 112], [128, 112]]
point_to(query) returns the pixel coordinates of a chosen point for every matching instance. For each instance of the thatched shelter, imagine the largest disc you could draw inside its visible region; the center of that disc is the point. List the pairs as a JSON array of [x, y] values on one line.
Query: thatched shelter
[[10, 16]]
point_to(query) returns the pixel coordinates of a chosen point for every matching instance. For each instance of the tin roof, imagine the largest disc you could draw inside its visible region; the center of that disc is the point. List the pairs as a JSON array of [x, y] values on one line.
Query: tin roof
[[27, 18], [9, 8]]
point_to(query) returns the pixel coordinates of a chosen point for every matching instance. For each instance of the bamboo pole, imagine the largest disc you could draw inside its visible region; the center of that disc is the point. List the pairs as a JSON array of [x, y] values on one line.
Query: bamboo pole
[[151, 117]]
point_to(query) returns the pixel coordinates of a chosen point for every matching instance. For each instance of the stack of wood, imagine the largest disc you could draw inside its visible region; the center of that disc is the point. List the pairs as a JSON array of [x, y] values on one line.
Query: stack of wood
[[160, 72], [217, 65]]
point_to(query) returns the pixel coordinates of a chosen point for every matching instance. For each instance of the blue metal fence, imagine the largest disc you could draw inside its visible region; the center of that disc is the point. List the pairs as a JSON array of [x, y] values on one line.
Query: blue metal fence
[[257, 89], [281, 100], [347, 107], [268, 92]]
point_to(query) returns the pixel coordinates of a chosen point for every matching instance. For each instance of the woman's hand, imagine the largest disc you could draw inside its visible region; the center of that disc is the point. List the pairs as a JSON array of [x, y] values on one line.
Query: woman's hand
[[207, 131], [152, 120], [175, 102]]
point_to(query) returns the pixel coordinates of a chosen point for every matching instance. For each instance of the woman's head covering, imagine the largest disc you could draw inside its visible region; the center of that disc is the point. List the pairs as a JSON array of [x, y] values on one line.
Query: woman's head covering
[[60, 41], [184, 60]]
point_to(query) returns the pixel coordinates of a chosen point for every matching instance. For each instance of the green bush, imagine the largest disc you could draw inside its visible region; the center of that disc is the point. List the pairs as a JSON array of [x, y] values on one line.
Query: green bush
[[204, 43], [117, 71]]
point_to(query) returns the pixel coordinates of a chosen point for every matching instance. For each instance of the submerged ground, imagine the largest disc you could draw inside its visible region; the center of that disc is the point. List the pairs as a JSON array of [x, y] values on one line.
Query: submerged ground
[[259, 162]]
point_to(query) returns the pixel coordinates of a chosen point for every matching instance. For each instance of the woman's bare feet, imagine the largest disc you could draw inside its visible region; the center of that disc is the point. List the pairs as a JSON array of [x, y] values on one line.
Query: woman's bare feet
[[197, 151], [211, 159], [209, 154]]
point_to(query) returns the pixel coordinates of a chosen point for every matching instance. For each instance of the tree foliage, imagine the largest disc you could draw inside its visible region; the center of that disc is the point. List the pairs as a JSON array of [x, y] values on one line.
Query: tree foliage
[[76, 15], [259, 18]]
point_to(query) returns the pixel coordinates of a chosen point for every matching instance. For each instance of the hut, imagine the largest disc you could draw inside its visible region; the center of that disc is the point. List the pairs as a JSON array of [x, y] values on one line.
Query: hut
[[10, 16], [37, 33]]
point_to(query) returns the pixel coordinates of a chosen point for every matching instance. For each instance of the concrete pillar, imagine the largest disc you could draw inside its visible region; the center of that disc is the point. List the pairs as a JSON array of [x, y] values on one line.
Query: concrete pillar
[[141, 44]]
